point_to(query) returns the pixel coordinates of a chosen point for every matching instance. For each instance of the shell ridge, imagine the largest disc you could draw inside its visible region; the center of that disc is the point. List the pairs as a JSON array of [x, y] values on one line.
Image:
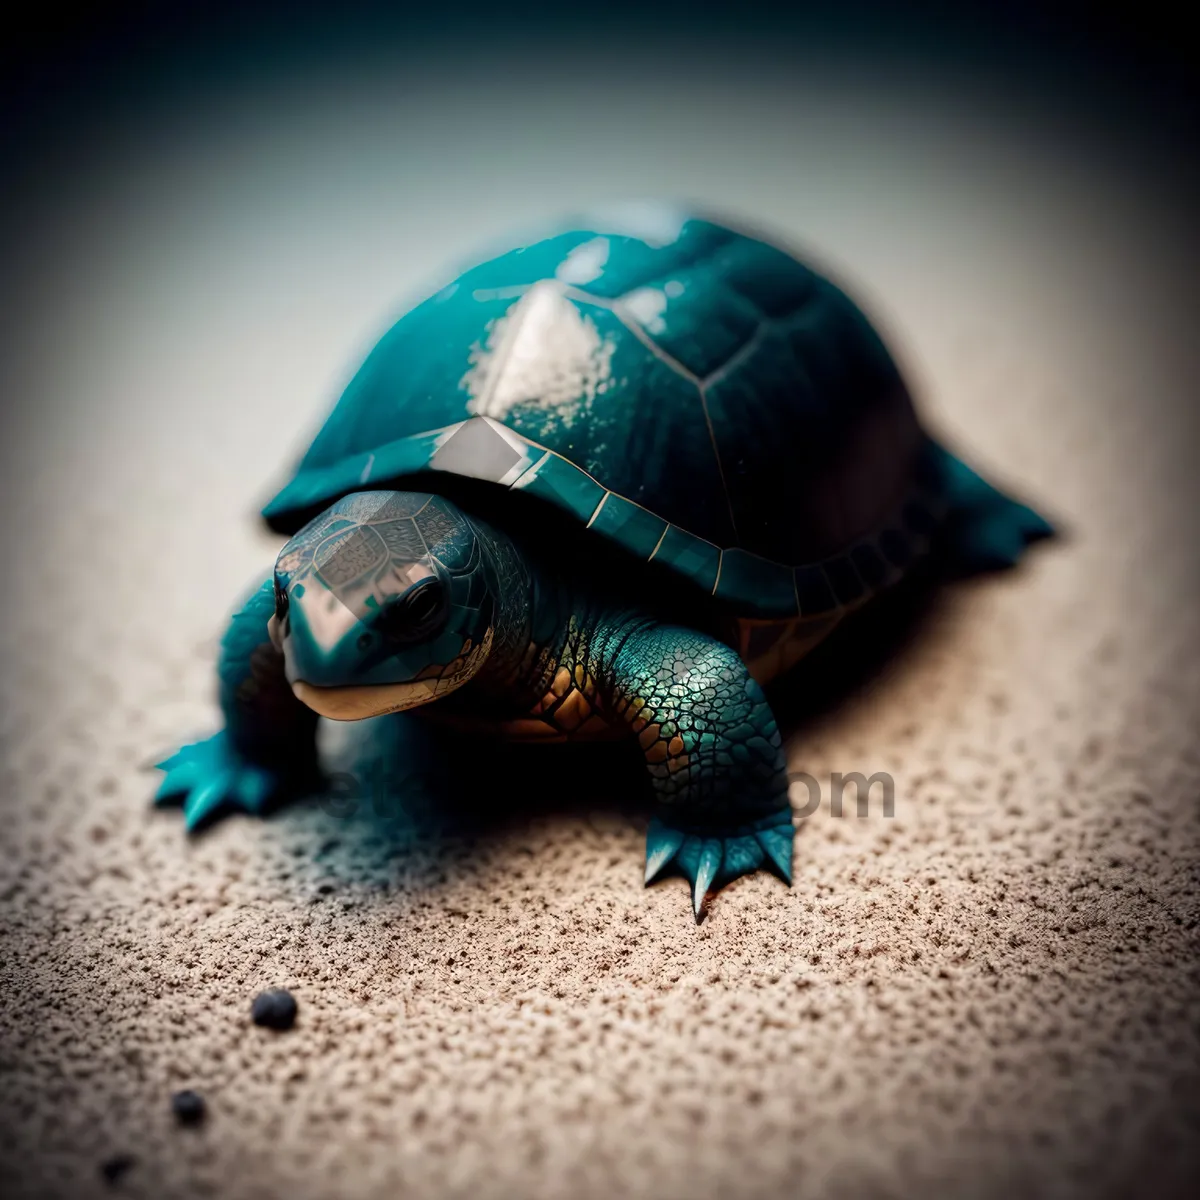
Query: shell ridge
[[698, 256], [642, 336], [712, 437], [742, 353]]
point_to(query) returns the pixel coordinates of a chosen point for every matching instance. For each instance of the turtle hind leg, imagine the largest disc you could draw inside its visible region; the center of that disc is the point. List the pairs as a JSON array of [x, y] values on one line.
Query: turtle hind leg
[[984, 529]]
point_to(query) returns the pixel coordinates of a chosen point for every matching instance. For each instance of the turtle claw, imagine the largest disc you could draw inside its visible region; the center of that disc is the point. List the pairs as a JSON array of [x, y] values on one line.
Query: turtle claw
[[707, 859], [777, 846], [179, 780], [662, 844], [706, 872], [210, 778]]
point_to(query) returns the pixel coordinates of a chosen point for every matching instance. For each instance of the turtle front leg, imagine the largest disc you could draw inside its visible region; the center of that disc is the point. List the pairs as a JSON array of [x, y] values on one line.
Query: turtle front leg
[[267, 750], [714, 754]]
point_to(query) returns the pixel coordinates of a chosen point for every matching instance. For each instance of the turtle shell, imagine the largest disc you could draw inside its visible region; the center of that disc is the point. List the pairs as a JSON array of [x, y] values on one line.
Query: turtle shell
[[692, 393]]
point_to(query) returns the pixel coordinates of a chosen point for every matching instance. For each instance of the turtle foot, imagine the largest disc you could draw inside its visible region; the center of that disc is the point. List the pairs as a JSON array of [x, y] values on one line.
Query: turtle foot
[[212, 779], [997, 537], [987, 530], [710, 857]]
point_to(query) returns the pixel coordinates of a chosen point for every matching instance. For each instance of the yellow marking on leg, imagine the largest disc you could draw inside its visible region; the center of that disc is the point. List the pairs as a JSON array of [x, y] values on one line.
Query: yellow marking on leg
[[572, 712], [648, 736]]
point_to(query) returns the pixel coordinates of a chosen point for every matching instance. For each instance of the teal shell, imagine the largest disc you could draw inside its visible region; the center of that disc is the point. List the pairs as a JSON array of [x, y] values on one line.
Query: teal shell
[[694, 394]]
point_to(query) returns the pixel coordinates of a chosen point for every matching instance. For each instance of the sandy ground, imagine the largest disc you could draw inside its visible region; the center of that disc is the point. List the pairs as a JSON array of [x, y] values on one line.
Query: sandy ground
[[991, 992]]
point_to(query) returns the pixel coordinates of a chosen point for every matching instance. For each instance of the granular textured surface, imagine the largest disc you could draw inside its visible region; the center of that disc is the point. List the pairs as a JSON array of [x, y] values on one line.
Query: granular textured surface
[[993, 991]]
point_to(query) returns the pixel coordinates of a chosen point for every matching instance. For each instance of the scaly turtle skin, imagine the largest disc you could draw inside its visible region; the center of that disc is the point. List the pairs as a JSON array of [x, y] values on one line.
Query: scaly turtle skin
[[608, 484]]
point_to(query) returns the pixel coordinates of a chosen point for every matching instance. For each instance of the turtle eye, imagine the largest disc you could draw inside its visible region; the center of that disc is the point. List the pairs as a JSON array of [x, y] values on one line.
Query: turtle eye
[[416, 615], [281, 602]]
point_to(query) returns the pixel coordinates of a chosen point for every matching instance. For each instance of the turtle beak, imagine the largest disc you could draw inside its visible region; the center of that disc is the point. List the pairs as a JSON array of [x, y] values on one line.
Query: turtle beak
[[321, 642], [318, 639], [356, 703]]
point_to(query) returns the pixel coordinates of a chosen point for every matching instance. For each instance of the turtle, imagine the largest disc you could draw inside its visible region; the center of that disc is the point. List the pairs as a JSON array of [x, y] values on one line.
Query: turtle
[[608, 483]]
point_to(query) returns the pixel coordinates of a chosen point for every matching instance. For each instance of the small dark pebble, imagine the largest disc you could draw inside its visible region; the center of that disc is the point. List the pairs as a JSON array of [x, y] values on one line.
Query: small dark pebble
[[113, 1168], [274, 1008], [188, 1107]]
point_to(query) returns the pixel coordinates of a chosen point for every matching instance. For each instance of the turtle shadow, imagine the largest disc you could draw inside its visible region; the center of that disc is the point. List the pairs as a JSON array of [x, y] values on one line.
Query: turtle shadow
[[881, 637], [410, 798], [867, 645]]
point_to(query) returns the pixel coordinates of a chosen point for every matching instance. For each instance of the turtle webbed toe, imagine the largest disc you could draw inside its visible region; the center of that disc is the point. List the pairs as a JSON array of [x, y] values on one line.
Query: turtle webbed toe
[[210, 780], [710, 858]]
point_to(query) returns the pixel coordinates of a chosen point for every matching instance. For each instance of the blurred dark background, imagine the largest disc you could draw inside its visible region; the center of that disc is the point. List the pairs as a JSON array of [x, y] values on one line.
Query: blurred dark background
[[71, 76], [56, 57]]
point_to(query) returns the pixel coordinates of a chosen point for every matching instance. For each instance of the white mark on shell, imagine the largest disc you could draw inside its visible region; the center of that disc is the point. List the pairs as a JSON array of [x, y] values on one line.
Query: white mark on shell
[[647, 306], [585, 263], [544, 355]]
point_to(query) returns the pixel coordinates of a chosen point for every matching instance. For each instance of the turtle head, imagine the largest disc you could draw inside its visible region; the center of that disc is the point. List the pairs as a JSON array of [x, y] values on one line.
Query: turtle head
[[383, 602]]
